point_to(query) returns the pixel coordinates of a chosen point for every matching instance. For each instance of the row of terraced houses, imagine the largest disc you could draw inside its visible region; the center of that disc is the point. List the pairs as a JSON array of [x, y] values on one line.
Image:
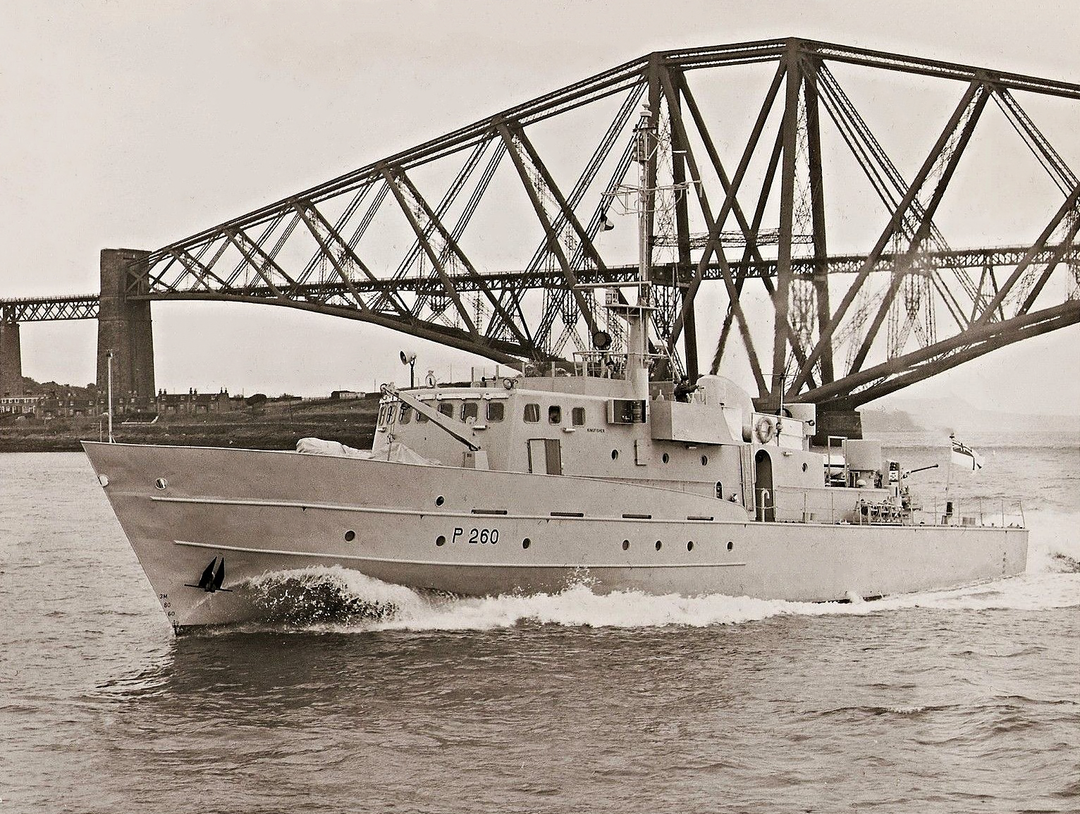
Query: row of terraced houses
[[71, 405]]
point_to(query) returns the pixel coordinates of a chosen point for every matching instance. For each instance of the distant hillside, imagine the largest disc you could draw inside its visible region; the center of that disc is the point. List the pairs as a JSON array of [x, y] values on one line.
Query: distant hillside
[[954, 414], [34, 388], [889, 420]]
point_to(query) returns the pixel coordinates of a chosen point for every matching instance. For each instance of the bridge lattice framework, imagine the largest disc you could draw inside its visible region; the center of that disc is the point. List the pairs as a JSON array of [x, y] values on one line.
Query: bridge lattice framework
[[840, 330]]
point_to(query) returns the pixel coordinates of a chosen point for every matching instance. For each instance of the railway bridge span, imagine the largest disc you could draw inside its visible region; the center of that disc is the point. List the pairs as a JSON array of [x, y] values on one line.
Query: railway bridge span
[[495, 238]]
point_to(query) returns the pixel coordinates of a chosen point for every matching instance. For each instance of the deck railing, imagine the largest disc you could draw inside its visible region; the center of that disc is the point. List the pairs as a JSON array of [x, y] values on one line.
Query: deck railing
[[843, 505]]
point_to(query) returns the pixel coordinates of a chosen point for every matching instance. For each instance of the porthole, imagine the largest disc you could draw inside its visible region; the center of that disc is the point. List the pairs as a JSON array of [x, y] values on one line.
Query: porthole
[[730, 546], [704, 460], [440, 540], [690, 545], [804, 467], [161, 484], [526, 543], [614, 454], [625, 545], [659, 545], [440, 500], [350, 535], [665, 457]]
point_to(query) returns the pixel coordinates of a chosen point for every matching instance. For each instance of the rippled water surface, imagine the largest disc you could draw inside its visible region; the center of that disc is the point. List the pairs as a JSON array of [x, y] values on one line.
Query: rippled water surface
[[954, 701]]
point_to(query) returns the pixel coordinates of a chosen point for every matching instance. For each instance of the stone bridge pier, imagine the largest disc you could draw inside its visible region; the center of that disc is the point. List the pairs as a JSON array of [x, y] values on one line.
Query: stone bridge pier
[[124, 326], [11, 383]]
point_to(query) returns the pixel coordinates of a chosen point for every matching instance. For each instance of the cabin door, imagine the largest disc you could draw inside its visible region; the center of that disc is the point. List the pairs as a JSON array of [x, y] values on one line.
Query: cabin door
[[764, 494], [545, 456]]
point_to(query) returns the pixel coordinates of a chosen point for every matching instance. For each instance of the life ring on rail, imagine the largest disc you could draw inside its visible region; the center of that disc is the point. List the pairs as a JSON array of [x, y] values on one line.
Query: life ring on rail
[[763, 430], [508, 383]]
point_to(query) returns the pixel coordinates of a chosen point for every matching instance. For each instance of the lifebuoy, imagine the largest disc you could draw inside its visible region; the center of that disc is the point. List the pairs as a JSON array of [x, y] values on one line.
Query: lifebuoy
[[508, 383], [763, 429]]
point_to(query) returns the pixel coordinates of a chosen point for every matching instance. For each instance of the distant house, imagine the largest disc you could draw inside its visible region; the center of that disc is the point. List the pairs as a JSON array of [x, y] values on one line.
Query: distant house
[[193, 402], [20, 405], [70, 405]]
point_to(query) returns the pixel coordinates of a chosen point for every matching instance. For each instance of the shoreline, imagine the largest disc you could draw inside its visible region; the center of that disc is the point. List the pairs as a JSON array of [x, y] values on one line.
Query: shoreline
[[263, 427]]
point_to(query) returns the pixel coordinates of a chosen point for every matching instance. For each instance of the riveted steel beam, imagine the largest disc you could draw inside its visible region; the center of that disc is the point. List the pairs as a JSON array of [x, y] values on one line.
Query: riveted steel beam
[[334, 248]]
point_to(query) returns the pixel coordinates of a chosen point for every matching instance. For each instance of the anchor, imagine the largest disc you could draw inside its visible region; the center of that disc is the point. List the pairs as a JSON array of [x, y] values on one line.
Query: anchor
[[210, 581]]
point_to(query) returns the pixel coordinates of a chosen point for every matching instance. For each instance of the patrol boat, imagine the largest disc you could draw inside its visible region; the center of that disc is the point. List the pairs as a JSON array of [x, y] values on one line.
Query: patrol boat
[[594, 473], [530, 483]]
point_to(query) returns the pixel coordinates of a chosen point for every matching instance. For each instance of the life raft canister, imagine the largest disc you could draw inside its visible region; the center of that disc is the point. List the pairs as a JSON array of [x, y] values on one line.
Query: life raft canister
[[764, 429]]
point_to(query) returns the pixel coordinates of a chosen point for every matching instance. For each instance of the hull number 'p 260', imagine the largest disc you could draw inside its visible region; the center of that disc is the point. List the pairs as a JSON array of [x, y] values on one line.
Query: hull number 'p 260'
[[476, 536]]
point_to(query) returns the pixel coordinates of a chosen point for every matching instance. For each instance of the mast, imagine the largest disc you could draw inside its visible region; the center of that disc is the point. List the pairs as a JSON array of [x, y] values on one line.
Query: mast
[[637, 355], [644, 143], [640, 199]]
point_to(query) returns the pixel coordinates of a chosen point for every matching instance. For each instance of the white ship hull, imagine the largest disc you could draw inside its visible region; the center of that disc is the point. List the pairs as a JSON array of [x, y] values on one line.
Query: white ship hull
[[476, 532]]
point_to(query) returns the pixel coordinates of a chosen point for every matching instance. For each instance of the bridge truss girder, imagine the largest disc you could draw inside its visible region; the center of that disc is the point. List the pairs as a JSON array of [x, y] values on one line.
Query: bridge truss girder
[[841, 330], [44, 309]]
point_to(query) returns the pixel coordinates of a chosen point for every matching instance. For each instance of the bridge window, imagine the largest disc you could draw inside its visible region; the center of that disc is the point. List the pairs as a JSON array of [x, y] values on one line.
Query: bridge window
[[532, 413], [447, 408], [495, 410], [554, 414], [406, 413], [470, 410], [577, 416], [421, 418]]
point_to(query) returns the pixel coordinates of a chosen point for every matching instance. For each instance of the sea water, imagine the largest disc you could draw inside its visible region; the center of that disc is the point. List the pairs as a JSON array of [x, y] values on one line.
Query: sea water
[[367, 697]]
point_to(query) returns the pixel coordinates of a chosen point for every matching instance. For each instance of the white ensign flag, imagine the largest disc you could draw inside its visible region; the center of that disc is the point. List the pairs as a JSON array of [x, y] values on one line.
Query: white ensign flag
[[965, 457]]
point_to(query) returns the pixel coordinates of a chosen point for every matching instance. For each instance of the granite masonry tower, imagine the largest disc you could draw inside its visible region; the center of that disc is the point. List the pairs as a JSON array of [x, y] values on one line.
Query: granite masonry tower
[[11, 383], [124, 325]]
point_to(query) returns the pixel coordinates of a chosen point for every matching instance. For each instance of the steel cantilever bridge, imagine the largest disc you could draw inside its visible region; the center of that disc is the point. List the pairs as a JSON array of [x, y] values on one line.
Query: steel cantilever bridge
[[487, 238]]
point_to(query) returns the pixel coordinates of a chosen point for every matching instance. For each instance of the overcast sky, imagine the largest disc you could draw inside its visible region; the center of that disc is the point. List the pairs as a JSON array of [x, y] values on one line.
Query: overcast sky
[[134, 124]]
